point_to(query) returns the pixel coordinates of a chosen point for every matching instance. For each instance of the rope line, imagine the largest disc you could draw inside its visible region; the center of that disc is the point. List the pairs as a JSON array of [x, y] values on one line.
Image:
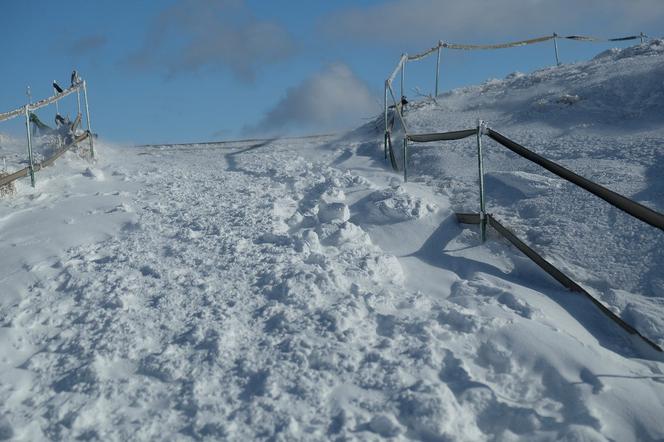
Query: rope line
[[500, 45], [471, 47], [402, 60], [39, 104], [11, 114]]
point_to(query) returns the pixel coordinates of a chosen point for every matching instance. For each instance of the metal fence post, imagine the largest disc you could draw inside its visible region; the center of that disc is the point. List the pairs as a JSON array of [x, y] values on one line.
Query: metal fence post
[[385, 111], [481, 127], [405, 158], [555, 46], [87, 115], [437, 68], [30, 160], [403, 72], [55, 92]]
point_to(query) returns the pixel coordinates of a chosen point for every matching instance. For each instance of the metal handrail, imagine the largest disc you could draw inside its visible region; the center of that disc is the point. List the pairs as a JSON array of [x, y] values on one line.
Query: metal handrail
[[483, 218], [402, 60], [623, 203], [39, 104], [627, 205], [45, 163], [77, 85]]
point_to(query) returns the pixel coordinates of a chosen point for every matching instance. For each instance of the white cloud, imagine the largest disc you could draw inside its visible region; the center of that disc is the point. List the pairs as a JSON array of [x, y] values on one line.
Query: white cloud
[[331, 99], [474, 20], [191, 35]]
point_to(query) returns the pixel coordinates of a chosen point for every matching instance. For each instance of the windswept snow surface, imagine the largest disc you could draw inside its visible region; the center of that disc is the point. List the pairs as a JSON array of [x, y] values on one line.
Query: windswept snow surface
[[299, 290]]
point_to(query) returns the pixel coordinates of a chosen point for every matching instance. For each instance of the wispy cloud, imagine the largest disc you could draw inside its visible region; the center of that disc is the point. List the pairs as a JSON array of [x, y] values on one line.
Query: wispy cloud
[[87, 44], [191, 35], [473, 20], [331, 99]]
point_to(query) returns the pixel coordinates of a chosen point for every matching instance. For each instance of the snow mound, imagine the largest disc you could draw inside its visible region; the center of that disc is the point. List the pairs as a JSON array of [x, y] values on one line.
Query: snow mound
[[333, 212], [395, 204]]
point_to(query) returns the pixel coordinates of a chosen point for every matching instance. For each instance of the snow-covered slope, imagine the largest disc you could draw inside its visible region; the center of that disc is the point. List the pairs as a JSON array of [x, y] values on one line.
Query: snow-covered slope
[[604, 120], [298, 290]]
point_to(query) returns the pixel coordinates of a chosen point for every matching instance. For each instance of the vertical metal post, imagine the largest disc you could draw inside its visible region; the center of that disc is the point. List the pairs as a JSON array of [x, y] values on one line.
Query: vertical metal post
[[641, 35], [405, 157], [55, 92], [78, 100], [555, 45], [31, 166], [28, 92], [481, 125], [385, 109], [87, 116], [403, 72], [437, 68]]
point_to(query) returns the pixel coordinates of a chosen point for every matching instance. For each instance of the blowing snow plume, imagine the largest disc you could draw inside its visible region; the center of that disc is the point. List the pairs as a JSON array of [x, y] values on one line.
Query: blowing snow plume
[[331, 99], [192, 35]]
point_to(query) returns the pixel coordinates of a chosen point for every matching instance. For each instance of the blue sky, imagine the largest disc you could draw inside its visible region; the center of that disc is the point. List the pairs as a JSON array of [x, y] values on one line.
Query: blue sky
[[201, 70]]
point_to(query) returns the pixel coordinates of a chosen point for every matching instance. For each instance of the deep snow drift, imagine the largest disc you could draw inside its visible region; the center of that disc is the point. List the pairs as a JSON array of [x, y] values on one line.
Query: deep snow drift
[[298, 290]]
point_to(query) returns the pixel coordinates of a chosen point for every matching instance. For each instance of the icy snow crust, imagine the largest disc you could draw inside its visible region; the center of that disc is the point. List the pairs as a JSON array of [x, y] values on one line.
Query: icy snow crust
[[298, 290]]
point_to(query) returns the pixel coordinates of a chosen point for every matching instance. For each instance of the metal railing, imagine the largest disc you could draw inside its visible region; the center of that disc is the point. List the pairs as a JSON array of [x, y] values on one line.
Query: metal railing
[[30, 170], [627, 205], [37, 166], [400, 69]]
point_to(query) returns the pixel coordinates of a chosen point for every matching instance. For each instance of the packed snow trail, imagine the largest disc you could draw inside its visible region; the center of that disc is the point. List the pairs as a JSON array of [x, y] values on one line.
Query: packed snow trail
[[243, 299]]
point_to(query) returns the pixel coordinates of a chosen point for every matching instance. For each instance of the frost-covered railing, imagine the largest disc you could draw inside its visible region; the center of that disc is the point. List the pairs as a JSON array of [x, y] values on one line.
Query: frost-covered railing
[[400, 69], [627, 205], [37, 166], [30, 170], [482, 218]]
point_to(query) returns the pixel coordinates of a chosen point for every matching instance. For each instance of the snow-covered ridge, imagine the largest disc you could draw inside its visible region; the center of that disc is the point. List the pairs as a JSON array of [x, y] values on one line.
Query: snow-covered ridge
[[618, 89], [299, 290]]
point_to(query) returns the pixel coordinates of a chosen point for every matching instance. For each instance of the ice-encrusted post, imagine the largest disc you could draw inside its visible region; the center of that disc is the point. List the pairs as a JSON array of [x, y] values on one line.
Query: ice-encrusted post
[[440, 43], [555, 46], [31, 167], [641, 35], [481, 129], [55, 92], [87, 116], [385, 112], [405, 157], [403, 73]]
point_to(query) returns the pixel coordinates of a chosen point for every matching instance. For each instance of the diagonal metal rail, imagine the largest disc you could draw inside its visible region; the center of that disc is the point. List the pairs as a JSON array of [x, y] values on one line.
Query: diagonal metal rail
[[623, 203], [47, 162], [566, 281]]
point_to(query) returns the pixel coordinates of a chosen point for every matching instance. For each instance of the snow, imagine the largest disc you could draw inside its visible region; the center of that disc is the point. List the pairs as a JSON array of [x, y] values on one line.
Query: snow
[[299, 290]]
